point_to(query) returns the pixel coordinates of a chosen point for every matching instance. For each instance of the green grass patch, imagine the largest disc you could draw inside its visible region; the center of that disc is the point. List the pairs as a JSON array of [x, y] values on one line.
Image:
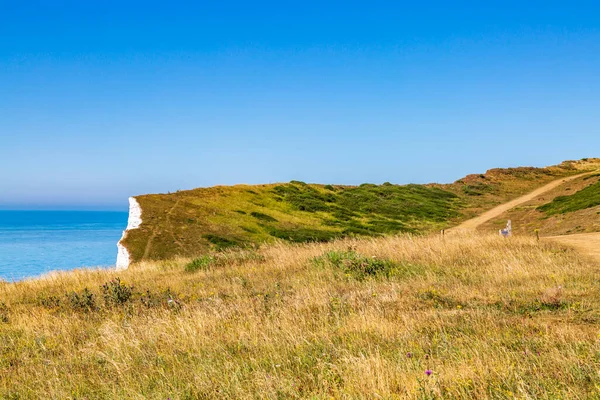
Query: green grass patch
[[585, 198], [200, 264], [263, 217], [221, 242], [303, 235]]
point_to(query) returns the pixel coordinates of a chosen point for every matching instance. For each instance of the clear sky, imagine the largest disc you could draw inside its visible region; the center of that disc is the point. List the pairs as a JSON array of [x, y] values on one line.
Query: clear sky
[[100, 100]]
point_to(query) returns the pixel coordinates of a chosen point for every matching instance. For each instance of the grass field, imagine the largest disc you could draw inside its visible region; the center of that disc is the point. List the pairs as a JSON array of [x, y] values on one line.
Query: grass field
[[391, 317]]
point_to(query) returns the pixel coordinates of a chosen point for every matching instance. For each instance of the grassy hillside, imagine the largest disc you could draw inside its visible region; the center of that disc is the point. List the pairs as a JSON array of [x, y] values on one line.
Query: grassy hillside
[[359, 318], [194, 222], [583, 199], [573, 207]]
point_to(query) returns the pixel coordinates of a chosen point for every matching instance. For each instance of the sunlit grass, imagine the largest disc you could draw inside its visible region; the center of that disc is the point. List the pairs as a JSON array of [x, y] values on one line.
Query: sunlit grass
[[488, 317]]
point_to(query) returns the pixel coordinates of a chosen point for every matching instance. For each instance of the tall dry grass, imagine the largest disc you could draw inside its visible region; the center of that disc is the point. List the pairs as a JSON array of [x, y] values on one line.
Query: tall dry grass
[[488, 317]]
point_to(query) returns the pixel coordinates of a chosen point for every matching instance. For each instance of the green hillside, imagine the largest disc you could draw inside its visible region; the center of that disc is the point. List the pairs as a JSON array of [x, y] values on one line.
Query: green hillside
[[581, 200], [194, 222]]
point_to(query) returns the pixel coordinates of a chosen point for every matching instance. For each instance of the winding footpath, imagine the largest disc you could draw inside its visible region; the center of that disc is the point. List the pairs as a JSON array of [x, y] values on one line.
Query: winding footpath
[[586, 243]]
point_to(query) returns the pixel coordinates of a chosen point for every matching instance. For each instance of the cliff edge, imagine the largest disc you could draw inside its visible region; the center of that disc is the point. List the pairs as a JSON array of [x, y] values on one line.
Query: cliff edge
[[133, 222]]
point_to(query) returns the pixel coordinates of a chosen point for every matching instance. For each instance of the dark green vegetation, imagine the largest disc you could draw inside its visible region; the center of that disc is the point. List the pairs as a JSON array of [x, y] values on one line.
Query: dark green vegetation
[[360, 267], [195, 222], [202, 221], [585, 198]]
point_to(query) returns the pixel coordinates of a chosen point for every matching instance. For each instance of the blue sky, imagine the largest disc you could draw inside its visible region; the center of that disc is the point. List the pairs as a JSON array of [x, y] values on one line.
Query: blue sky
[[106, 100]]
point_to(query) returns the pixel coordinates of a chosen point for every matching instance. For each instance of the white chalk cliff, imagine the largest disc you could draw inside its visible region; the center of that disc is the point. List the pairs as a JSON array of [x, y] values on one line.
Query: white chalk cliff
[[134, 222]]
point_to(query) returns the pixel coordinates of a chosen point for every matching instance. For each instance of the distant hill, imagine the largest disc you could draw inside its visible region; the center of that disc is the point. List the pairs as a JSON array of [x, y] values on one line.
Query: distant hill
[[193, 222]]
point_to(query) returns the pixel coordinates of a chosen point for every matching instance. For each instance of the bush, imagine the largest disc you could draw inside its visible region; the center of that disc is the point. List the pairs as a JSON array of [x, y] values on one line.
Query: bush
[[84, 301], [221, 242], [477, 189], [166, 299], [355, 265], [116, 293], [50, 302], [200, 264], [3, 313], [263, 217]]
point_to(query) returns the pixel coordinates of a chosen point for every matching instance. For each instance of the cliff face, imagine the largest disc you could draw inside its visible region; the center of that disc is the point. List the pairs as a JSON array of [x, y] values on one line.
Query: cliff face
[[134, 221]]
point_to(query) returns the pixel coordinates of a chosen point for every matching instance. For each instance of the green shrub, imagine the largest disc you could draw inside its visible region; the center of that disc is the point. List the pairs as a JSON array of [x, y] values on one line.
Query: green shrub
[[116, 293], [262, 217], [3, 313], [477, 189], [84, 301], [50, 302], [200, 264], [356, 265], [166, 299], [221, 242], [305, 198], [585, 198]]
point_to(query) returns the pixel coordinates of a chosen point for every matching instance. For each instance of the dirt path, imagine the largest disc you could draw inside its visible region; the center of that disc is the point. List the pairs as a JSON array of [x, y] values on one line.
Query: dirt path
[[502, 208], [585, 243]]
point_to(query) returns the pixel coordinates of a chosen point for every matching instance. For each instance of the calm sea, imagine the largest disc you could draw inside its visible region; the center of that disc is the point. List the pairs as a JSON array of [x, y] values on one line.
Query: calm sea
[[35, 242]]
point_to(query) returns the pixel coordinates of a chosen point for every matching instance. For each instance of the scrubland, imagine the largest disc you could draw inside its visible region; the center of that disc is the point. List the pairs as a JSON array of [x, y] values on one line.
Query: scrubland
[[465, 316]]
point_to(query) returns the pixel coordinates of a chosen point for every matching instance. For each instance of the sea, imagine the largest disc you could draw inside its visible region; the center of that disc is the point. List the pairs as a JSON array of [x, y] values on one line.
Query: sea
[[33, 243]]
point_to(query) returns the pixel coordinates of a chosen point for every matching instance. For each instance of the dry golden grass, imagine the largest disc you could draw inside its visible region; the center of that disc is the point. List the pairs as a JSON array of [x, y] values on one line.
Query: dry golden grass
[[491, 318]]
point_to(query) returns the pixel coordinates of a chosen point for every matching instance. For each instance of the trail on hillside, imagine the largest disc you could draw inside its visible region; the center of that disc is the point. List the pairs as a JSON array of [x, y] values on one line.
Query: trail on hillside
[[155, 231], [585, 243], [502, 208]]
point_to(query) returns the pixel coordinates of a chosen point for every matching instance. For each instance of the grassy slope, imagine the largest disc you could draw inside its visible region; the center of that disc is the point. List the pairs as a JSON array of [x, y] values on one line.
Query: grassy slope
[[194, 222], [585, 198], [570, 208], [491, 318]]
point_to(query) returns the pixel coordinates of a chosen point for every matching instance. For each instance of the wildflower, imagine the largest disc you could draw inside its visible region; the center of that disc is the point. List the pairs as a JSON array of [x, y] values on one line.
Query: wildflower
[[428, 372], [409, 355]]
